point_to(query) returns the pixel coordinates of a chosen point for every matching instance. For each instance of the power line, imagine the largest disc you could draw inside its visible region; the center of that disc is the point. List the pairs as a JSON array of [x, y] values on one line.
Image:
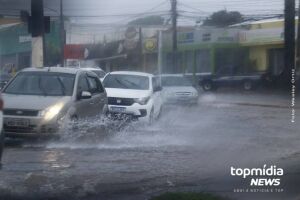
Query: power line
[[135, 16], [190, 7], [118, 15]]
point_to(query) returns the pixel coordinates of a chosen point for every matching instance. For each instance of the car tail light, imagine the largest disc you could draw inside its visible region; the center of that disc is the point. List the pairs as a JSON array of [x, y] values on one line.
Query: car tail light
[[1, 104]]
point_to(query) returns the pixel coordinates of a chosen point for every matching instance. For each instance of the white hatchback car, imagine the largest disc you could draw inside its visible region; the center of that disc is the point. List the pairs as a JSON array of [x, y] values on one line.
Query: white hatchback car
[[133, 93]]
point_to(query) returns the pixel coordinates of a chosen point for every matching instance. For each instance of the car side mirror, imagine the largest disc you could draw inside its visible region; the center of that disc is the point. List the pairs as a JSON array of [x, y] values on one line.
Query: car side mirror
[[157, 89], [85, 95]]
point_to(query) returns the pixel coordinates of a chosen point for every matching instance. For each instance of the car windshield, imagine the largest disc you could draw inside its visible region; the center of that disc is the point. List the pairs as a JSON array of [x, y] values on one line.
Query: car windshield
[[99, 73], [125, 81], [171, 81], [42, 84]]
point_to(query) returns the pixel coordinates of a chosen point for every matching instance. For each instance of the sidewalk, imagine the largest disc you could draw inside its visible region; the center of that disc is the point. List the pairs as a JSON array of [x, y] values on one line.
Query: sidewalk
[[263, 98]]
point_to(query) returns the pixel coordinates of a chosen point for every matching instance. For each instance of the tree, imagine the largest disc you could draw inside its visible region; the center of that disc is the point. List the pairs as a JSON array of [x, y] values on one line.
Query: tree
[[52, 56], [149, 20], [223, 18]]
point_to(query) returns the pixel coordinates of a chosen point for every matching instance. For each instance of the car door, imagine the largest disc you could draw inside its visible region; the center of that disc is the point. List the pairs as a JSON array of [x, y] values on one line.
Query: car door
[[99, 99], [157, 95], [84, 107]]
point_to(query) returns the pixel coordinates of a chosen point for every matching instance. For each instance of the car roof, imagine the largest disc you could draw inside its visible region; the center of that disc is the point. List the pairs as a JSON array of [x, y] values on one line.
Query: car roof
[[92, 68], [67, 70], [131, 73]]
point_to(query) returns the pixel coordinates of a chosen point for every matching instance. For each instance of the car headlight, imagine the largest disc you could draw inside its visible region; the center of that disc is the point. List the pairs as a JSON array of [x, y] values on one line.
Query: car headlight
[[142, 101], [49, 113]]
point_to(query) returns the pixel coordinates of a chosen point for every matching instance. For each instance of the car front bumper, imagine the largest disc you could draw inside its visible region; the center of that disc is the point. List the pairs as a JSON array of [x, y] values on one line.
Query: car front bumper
[[35, 127], [136, 111], [181, 100]]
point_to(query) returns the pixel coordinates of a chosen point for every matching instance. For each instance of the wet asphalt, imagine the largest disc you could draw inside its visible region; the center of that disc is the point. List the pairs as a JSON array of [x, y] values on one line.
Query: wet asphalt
[[189, 148]]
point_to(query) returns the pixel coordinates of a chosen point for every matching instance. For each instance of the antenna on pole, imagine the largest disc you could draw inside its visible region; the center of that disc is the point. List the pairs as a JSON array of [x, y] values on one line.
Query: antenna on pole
[[62, 34]]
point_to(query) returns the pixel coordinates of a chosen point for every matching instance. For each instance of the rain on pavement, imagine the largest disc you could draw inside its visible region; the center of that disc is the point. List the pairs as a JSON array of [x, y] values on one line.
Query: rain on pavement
[[188, 147]]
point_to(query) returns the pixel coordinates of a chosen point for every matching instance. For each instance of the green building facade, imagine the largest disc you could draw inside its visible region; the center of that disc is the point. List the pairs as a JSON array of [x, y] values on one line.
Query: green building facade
[[15, 46]]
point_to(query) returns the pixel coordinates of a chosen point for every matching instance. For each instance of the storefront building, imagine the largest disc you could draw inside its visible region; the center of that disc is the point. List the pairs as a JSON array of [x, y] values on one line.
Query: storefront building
[[265, 40], [15, 46], [205, 50]]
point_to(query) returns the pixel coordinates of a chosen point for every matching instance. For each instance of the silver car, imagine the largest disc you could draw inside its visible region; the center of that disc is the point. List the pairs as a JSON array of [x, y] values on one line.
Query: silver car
[[38, 101], [178, 89]]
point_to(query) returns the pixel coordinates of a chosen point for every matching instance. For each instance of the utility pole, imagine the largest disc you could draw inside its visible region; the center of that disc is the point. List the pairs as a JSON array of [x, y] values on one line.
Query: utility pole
[[141, 54], [174, 33], [37, 30], [289, 38], [62, 35], [159, 60]]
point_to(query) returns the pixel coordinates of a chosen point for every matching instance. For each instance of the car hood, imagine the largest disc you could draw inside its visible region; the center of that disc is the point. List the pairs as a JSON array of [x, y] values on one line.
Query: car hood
[[180, 89], [30, 102], [126, 93]]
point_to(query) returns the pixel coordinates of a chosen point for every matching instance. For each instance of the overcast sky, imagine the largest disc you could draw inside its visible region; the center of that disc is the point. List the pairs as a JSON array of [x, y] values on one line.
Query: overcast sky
[[116, 7], [110, 15]]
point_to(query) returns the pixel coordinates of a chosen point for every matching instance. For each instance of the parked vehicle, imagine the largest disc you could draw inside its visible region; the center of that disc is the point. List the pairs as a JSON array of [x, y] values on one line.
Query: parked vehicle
[[134, 94], [1, 132], [38, 101], [228, 77], [178, 89]]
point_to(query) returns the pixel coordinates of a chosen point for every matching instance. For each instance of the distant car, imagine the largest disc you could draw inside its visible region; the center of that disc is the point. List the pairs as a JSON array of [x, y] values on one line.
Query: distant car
[[178, 89], [39, 100], [1, 132], [228, 77], [4, 79], [100, 73], [134, 94]]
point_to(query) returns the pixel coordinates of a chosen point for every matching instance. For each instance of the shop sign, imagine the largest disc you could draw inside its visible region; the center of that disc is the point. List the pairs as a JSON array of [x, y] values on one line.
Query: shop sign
[[150, 45], [74, 51], [24, 38], [262, 36], [184, 38]]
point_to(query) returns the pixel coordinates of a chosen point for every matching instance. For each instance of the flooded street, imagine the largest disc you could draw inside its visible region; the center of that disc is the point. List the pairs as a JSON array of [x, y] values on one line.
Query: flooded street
[[188, 148]]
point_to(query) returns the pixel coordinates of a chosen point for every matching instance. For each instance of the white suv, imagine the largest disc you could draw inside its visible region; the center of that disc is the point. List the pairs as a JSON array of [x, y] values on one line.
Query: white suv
[[133, 93]]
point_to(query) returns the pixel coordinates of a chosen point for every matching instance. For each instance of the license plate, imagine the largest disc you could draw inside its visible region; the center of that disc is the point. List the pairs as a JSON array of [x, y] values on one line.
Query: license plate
[[17, 122], [183, 98], [118, 109]]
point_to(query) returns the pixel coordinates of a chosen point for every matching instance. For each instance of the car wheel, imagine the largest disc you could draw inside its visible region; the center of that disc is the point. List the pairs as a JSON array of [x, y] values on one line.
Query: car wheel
[[159, 112], [74, 122], [151, 117], [74, 118], [207, 86], [248, 85]]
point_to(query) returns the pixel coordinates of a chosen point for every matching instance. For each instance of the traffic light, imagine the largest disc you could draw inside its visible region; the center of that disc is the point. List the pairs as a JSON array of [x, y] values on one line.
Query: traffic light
[[37, 18], [37, 23]]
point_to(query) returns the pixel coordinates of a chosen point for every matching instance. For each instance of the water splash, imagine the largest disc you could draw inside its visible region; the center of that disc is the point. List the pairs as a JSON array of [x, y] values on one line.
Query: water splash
[[104, 133]]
